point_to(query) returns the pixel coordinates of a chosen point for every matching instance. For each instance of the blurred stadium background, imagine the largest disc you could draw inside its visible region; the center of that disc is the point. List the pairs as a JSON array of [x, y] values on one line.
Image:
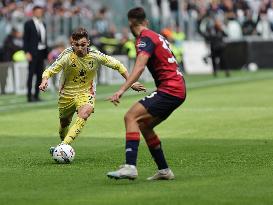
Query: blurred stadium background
[[187, 24]]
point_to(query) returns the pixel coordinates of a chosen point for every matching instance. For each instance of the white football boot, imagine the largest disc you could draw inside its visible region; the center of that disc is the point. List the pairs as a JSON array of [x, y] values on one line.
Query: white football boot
[[163, 174], [125, 171]]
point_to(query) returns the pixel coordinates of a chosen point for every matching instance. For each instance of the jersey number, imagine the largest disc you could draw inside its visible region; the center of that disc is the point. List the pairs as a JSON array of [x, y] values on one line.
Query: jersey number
[[166, 45], [150, 96]]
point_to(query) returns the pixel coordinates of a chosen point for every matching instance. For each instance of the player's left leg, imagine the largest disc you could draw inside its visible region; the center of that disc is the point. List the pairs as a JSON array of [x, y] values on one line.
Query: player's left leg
[[66, 112], [155, 147], [85, 106], [67, 109]]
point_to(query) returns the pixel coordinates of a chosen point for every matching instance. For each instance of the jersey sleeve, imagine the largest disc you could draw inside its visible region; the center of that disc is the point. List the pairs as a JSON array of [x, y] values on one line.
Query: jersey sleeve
[[110, 62], [59, 64], [145, 45]]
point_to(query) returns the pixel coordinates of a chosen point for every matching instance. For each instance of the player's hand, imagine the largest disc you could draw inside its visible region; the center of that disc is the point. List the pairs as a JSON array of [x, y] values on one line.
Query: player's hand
[[115, 99], [137, 86], [43, 85], [28, 57]]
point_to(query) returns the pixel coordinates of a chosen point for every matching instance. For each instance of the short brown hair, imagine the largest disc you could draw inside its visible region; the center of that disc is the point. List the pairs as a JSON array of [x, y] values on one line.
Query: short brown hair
[[80, 33], [137, 14], [37, 7]]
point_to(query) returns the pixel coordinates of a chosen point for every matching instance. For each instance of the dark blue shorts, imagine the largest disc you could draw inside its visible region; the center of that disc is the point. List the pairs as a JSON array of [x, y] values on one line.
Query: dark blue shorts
[[160, 104]]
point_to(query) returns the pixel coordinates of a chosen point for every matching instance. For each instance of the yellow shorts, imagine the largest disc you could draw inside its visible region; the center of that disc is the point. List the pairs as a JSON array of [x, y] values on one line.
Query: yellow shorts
[[68, 105]]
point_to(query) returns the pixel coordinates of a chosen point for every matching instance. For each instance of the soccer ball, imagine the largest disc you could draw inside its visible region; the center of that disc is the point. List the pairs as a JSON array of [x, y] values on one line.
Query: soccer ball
[[63, 154], [252, 67]]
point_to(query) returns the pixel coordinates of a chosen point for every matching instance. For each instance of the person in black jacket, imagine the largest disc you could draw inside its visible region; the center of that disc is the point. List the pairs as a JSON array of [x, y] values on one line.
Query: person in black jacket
[[12, 43], [215, 36], [35, 47]]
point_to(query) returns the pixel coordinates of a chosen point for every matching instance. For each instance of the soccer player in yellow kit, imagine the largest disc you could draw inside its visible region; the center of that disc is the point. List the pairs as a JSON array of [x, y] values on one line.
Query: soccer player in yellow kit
[[79, 65]]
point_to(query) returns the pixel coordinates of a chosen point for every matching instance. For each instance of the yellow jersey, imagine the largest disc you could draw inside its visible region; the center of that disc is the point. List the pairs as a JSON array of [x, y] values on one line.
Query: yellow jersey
[[78, 73]]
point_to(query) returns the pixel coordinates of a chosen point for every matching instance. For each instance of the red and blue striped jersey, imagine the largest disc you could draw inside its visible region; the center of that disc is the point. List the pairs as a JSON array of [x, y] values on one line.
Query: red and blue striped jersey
[[162, 63]]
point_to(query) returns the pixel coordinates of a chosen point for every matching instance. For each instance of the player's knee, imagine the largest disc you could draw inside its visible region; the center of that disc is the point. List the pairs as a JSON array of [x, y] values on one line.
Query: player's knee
[[128, 117]]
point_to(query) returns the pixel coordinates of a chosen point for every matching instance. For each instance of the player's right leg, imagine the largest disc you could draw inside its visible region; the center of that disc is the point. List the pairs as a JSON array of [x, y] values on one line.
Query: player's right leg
[[66, 112], [84, 103], [125, 171], [129, 171], [63, 129]]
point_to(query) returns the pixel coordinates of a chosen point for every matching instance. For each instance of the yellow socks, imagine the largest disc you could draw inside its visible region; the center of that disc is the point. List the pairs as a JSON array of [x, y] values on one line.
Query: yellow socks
[[74, 130]]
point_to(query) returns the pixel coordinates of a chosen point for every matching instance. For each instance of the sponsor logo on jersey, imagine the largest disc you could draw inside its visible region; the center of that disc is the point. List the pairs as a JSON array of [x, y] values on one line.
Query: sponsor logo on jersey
[[141, 44]]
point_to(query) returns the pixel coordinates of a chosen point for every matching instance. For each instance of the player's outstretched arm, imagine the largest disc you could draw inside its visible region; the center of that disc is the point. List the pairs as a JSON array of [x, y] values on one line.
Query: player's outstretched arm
[[115, 98], [43, 84], [139, 67], [136, 86]]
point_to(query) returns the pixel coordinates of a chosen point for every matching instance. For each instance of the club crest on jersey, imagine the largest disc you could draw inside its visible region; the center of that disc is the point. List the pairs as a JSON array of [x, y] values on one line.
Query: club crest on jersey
[[91, 64], [141, 44]]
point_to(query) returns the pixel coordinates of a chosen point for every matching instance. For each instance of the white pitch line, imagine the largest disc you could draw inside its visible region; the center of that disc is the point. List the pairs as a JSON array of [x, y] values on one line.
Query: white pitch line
[[213, 82]]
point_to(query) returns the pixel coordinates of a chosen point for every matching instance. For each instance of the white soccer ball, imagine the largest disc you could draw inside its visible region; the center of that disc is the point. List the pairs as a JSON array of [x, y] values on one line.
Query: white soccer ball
[[252, 67], [63, 154]]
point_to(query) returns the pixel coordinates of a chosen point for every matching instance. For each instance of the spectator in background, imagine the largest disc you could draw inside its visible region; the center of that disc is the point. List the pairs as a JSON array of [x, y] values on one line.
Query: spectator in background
[[249, 25], [178, 38], [263, 25], [101, 23], [128, 46], [109, 44], [216, 36], [12, 44], [229, 9], [233, 27], [35, 47], [174, 39], [270, 15], [174, 11]]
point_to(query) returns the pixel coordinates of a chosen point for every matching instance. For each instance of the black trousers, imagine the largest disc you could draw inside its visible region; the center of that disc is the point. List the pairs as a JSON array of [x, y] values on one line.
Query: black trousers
[[36, 67], [218, 61]]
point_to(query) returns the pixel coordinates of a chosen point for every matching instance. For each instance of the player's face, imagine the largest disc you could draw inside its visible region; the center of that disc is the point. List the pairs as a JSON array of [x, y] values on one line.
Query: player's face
[[132, 27], [80, 46]]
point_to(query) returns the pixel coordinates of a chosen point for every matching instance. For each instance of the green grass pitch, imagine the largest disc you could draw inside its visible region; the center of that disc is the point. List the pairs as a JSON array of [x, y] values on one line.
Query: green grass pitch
[[219, 144]]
